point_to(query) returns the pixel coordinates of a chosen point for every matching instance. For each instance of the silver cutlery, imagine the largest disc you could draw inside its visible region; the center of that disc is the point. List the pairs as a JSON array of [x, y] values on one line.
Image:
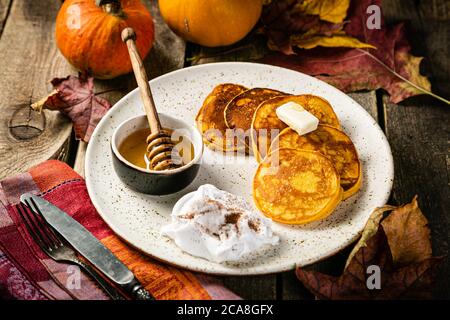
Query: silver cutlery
[[87, 245], [56, 248]]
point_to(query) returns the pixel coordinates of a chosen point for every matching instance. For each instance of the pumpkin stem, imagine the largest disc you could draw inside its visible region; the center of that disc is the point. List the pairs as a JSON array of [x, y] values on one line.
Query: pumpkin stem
[[112, 7]]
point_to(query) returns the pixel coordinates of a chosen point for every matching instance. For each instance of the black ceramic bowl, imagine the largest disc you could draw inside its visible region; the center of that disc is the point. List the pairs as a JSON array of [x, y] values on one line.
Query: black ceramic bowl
[[150, 181]]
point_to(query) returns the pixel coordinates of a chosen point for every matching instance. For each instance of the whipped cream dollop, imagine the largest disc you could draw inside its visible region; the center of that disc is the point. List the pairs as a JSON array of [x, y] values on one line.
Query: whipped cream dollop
[[219, 226]]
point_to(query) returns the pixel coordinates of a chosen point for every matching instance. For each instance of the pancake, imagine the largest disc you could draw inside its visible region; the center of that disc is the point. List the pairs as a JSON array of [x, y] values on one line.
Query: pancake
[[239, 112], [304, 188], [265, 117], [334, 144], [210, 120]]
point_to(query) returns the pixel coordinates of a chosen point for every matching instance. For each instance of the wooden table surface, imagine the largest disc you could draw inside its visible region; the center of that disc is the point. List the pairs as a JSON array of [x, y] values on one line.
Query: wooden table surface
[[418, 129]]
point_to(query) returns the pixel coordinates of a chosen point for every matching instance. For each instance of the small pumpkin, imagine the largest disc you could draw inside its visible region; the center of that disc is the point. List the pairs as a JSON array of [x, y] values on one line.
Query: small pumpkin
[[88, 34], [211, 23]]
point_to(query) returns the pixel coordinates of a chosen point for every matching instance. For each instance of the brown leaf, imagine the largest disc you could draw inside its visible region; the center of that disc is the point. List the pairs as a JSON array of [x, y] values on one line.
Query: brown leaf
[[408, 234], [414, 281], [390, 66], [74, 96], [407, 275], [411, 282]]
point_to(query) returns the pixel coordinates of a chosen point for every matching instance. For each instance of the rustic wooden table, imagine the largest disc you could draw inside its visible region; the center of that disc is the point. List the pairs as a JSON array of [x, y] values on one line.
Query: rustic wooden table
[[418, 129]]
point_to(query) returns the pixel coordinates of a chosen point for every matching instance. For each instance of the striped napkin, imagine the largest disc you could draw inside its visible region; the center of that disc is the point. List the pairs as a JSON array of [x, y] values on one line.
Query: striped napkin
[[28, 273]]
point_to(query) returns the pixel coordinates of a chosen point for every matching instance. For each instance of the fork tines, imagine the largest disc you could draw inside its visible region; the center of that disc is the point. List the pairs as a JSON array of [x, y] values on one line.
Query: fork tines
[[42, 233]]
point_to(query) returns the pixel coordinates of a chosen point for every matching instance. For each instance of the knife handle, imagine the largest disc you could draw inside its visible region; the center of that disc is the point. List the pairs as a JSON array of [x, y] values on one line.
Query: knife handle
[[142, 294], [137, 291]]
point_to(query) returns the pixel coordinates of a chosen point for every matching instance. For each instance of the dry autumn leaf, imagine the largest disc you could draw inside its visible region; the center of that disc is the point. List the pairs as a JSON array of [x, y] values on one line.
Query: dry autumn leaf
[[406, 274], [411, 282], [75, 97], [409, 236], [389, 65], [333, 11], [307, 24]]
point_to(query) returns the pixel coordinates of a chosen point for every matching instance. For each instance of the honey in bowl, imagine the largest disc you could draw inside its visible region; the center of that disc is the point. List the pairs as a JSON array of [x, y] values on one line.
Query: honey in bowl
[[134, 148]]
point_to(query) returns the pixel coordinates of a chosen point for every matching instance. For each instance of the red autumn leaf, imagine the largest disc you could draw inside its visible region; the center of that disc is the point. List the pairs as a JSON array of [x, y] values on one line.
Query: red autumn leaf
[[75, 97], [390, 66], [411, 282]]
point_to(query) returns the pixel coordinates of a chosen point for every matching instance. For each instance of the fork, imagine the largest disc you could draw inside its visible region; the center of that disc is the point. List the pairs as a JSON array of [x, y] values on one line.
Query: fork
[[52, 244]]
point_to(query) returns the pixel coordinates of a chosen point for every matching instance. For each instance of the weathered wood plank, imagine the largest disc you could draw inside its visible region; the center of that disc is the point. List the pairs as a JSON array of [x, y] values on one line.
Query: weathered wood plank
[[169, 50], [251, 48], [252, 287], [28, 61], [418, 129], [368, 100], [425, 9], [166, 55], [4, 10], [80, 158]]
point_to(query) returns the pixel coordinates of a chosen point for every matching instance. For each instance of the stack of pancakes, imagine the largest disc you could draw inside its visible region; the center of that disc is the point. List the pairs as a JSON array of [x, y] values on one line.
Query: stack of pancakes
[[300, 179]]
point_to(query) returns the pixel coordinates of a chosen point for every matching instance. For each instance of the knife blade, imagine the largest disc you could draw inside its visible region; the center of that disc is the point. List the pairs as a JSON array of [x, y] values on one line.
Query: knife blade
[[87, 245]]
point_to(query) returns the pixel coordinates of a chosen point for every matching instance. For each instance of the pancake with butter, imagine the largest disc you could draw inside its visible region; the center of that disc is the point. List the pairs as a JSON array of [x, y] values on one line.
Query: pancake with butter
[[210, 120], [335, 145], [304, 187], [265, 119]]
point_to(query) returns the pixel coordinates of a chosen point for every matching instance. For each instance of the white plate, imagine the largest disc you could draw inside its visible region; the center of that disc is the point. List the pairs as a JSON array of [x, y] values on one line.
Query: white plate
[[138, 218]]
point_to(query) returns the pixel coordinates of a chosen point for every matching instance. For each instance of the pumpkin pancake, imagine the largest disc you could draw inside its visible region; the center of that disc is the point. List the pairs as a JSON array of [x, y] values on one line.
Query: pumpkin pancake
[[239, 112], [305, 186], [332, 143], [265, 119], [210, 120]]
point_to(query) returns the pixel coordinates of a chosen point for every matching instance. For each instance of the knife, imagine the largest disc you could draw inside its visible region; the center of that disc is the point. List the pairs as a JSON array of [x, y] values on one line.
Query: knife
[[88, 246]]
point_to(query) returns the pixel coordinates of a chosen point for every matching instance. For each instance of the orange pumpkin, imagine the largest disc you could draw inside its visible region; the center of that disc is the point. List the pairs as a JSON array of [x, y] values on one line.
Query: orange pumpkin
[[211, 23], [88, 34]]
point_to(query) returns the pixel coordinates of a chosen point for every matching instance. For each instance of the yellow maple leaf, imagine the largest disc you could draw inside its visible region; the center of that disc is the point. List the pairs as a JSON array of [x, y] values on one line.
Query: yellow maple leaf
[[336, 40], [333, 11]]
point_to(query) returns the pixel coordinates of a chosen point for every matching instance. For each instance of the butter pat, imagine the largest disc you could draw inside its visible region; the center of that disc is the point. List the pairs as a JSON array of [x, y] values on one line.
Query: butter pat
[[296, 117]]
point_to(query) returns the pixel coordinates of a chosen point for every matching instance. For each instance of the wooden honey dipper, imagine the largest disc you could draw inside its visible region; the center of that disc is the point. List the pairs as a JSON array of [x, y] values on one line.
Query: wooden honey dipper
[[159, 142]]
